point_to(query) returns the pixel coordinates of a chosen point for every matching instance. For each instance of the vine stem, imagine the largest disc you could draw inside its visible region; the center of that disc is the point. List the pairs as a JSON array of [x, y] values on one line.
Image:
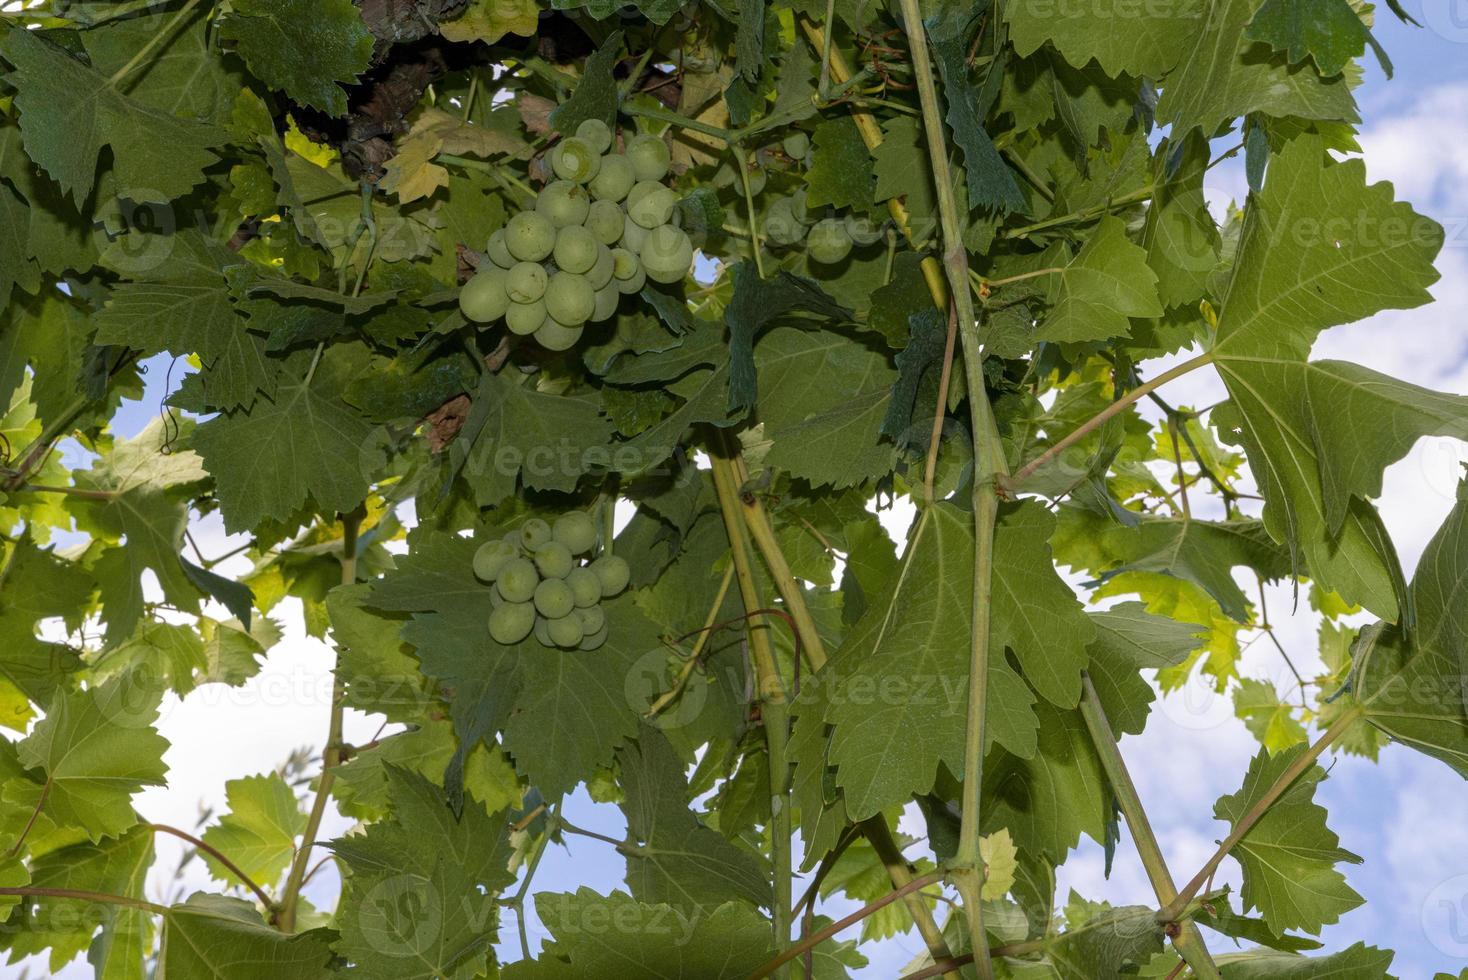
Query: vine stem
[[930, 468], [216, 854], [770, 691], [967, 866], [816, 938], [741, 159], [880, 836], [1105, 415], [1085, 214], [102, 898], [670, 695], [153, 42], [1298, 768], [331, 755], [1189, 939]]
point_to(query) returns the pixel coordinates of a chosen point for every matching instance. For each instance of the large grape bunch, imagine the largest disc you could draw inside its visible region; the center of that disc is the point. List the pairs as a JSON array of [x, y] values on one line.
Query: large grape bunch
[[541, 586], [600, 230]]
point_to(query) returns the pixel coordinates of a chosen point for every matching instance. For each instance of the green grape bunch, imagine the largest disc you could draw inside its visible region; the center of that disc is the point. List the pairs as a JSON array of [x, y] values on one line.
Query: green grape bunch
[[598, 232], [542, 586]]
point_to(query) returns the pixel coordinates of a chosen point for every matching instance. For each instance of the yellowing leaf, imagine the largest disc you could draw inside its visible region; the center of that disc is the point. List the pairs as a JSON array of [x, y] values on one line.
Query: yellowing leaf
[[490, 20]]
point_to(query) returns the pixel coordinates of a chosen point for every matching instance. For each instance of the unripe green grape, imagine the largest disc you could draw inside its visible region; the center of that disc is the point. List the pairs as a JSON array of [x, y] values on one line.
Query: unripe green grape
[[525, 318], [601, 270], [564, 203], [518, 580], [575, 249], [554, 560], [595, 640], [553, 598], [758, 177], [512, 622], [624, 263], [608, 298], [525, 283], [566, 631], [633, 235], [863, 230], [795, 145], [585, 587], [614, 179], [799, 208], [649, 156], [483, 298], [534, 532], [498, 253], [574, 159], [491, 559], [605, 220], [530, 236], [613, 573], [596, 133], [512, 538], [667, 254], [781, 225], [652, 209], [569, 299], [557, 336], [828, 241], [542, 632], [634, 285], [593, 618]]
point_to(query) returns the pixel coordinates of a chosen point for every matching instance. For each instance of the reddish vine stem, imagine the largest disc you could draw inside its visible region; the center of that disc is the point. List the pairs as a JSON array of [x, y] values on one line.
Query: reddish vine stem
[[931, 467], [216, 854], [102, 898], [31, 823]]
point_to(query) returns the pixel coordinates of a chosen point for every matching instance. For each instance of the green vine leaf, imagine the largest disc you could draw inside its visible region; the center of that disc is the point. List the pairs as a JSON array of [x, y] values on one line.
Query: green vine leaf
[[304, 48], [259, 832], [1107, 282], [224, 939]]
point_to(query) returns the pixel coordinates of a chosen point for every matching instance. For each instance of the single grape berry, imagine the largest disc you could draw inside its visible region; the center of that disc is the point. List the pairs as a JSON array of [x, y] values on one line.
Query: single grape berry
[[542, 632], [553, 598], [605, 220], [530, 236], [828, 242], [781, 225], [863, 230], [483, 298], [555, 336], [596, 133], [649, 157], [525, 283], [593, 618], [601, 270], [511, 622], [569, 299], [585, 587], [554, 560], [574, 159], [629, 286], [633, 235], [491, 559], [608, 298], [595, 640], [575, 249], [624, 263], [666, 254], [613, 180], [613, 573], [525, 318], [566, 631], [498, 253], [517, 580], [795, 145], [534, 533], [651, 204], [564, 203]]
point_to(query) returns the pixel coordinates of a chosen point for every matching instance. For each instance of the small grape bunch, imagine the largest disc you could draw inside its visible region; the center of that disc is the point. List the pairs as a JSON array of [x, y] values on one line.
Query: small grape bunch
[[541, 585], [828, 241], [598, 232]]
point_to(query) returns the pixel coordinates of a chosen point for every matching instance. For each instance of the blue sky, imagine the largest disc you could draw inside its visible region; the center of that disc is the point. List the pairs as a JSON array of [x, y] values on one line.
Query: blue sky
[[1407, 817]]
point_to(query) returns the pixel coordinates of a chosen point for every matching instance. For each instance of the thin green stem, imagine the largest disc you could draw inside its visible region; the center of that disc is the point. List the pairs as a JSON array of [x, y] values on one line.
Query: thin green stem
[[1084, 214], [1105, 415], [1189, 940], [153, 42], [331, 755], [69, 491], [824, 85], [741, 160], [102, 898], [967, 866], [674, 119], [1246, 823]]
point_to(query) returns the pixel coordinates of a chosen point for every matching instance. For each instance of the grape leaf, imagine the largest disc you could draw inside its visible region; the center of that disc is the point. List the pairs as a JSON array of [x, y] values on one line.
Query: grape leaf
[[1107, 282], [591, 931], [757, 303], [69, 112], [841, 169], [1269, 719], [1329, 32], [302, 47], [419, 902], [1314, 430], [490, 20], [1149, 45], [183, 76], [1356, 962], [595, 95], [991, 185], [1411, 685], [224, 938], [97, 748], [677, 860], [1179, 234], [304, 444], [1129, 639], [1289, 856], [37, 586], [259, 832]]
